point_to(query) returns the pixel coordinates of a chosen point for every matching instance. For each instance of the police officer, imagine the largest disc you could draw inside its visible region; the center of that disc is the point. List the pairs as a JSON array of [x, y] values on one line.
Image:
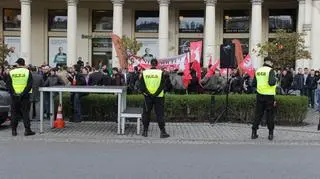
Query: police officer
[[20, 85], [265, 83], [152, 86]]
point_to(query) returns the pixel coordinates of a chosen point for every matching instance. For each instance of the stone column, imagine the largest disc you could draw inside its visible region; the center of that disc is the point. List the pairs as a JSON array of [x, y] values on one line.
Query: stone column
[[307, 28], [72, 32], [26, 30], [256, 31], [117, 27], [210, 27], [163, 28], [315, 36], [301, 13]]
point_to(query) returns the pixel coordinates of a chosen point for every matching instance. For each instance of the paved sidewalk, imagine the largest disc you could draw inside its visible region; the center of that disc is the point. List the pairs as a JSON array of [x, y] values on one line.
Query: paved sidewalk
[[181, 133]]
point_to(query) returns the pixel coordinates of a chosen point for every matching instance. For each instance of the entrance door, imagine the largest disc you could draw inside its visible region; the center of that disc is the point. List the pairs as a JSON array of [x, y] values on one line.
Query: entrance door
[[101, 51]]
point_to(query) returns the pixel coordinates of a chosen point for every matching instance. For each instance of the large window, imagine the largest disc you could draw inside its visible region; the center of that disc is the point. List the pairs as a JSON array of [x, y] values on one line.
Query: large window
[[101, 20], [147, 21], [101, 51], [57, 20], [244, 44], [191, 21], [11, 19], [282, 19], [236, 21]]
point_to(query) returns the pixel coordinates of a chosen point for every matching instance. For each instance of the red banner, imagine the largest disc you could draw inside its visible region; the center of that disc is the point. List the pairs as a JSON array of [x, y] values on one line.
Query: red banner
[[195, 51]]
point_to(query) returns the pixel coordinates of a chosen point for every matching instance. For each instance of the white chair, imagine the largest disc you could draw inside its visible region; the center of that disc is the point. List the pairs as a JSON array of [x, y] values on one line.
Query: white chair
[[131, 113]]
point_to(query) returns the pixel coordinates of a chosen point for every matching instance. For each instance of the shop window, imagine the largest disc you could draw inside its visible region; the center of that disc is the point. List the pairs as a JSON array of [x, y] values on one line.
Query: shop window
[[102, 21], [57, 20], [236, 21], [282, 19], [244, 44], [147, 21], [101, 51], [11, 19], [191, 21]]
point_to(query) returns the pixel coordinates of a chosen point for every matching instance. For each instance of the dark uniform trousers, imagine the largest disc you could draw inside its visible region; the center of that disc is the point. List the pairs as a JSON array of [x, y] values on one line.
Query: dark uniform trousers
[[265, 103], [20, 108], [158, 103]]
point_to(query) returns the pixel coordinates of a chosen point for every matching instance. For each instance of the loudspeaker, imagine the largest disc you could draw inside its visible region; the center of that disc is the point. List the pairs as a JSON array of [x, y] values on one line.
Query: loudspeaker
[[227, 56]]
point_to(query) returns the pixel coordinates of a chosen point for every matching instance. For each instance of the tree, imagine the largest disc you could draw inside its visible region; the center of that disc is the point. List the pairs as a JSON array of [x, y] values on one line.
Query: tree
[[4, 51], [285, 49], [131, 45]]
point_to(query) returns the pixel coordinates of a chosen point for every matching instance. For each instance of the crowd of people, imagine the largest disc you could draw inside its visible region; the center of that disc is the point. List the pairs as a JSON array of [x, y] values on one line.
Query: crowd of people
[[289, 82]]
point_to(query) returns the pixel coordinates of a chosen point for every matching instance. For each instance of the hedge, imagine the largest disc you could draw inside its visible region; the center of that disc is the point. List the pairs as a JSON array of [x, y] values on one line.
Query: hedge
[[193, 108]]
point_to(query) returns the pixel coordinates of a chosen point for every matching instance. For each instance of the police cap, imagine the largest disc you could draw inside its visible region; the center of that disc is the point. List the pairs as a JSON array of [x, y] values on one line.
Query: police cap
[[21, 62]]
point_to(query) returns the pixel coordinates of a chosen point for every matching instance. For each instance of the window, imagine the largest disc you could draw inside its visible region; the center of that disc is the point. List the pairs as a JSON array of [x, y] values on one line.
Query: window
[[282, 19], [102, 21], [57, 20], [101, 51], [191, 21], [244, 44], [236, 21], [147, 21], [11, 19]]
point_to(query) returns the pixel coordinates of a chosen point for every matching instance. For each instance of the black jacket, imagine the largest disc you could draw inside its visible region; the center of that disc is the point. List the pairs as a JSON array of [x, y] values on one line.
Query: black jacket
[[311, 82], [95, 79], [298, 82]]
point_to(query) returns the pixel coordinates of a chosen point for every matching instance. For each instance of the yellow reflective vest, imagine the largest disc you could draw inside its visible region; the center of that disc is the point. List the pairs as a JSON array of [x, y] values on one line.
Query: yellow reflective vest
[[152, 79], [262, 77], [19, 77]]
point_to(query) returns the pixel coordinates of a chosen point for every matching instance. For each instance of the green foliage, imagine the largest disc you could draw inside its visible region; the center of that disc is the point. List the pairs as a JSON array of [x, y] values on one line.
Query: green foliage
[[131, 45], [4, 51], [193, 108], [285, 48]]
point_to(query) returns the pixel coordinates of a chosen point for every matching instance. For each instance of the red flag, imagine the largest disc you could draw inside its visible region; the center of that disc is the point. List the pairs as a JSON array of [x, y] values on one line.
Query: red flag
[[195, 51], [246, 66], [186, 73], [196, 67], [213, 69]]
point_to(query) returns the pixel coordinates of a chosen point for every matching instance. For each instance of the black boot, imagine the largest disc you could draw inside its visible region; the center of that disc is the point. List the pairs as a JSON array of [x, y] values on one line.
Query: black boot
[[14, 132], [254, 134], [145, 133], [164, 134], [270, 137], [29, 132]]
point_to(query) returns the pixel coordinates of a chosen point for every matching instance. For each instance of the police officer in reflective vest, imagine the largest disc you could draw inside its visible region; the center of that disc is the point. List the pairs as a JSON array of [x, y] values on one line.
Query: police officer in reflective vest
[[20, 85], [265, 83], [152, 86]]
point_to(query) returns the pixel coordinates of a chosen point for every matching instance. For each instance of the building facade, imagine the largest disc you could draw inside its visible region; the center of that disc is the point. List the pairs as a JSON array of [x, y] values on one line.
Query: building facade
[[62, 31]]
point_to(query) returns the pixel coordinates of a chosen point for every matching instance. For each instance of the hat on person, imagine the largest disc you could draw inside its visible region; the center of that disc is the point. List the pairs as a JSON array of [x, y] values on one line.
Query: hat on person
[[21, 62]]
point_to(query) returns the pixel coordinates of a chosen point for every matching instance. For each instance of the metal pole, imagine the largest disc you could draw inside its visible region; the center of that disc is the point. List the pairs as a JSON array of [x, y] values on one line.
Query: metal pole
[[60, 97], [51, 109], [41, 111]]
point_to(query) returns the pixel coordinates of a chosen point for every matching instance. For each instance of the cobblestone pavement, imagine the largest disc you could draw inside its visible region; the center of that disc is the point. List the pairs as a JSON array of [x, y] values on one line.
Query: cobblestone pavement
[[181, 133]]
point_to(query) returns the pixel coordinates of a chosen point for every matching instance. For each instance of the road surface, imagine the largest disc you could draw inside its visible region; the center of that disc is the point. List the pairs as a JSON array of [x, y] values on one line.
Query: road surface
[[52, 160]]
